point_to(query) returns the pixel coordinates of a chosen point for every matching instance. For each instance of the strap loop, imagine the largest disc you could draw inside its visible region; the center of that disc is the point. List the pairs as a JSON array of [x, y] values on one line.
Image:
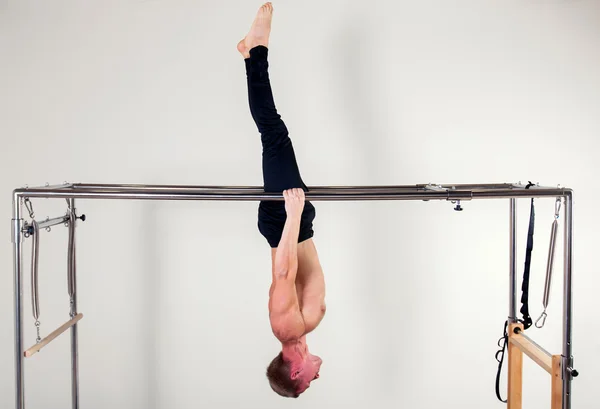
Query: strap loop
[[503, 340], [527, 320]]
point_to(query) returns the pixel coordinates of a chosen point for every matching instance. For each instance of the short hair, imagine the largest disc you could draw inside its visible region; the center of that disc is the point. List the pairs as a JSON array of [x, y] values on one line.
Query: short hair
[[278, 373]]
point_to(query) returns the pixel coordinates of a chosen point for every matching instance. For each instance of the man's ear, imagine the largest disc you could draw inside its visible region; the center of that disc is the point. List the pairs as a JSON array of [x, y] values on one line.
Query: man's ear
[[296, 373]]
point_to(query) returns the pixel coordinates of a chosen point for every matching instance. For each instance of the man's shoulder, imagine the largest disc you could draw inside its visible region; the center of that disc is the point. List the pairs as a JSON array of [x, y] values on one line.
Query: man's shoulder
[[287, 327]]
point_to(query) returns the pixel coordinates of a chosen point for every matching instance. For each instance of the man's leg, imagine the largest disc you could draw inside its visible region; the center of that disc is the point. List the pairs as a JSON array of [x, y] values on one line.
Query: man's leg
[[280, 168]]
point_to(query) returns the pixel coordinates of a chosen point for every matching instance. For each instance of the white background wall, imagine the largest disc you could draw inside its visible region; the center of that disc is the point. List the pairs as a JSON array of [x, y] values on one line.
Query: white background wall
[[381, 92]]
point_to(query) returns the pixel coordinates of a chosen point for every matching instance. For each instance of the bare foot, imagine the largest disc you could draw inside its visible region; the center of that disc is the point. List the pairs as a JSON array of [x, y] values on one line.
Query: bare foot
[[243, 49], [259, 32]]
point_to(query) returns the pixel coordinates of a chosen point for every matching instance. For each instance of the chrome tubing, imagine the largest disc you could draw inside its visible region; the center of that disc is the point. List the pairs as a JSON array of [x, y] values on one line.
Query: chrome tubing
[[360, 193], [17, 241], [260, 188], [512, 296], [72, 290], [28, 228], [469, 186], [567, 348], [236, 195]]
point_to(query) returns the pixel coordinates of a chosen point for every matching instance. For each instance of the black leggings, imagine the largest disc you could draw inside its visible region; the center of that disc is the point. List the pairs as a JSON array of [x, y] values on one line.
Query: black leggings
[[280, 169]]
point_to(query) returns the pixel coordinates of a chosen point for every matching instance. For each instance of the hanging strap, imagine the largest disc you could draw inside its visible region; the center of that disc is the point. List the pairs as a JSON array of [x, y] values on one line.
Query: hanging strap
[[527, 321], [35, 258], [35, 253], [500, 358], [71, 262]]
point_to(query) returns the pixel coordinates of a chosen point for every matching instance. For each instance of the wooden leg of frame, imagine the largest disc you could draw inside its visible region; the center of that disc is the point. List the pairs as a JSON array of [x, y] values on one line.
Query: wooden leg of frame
[[556, 382], [515, 373]]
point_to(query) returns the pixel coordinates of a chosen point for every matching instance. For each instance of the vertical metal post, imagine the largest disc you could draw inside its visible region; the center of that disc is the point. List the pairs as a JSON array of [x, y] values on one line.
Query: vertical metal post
[[73, 294], [512, 307], [17, 241], [515, 356], [567, 348]]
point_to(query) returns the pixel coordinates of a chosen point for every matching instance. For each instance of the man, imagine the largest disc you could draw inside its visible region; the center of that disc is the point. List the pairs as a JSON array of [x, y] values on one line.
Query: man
[[297, 293]]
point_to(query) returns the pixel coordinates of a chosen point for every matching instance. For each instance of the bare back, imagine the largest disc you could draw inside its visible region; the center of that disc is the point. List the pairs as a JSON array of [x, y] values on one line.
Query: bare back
[[309, 283]]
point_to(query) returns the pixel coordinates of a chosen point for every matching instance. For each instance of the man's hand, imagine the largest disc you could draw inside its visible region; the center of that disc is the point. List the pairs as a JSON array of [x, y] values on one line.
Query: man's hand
[[294, 202]]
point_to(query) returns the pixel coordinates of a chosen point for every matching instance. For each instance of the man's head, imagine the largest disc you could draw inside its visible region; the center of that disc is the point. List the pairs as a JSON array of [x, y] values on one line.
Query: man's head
[[290, 377]]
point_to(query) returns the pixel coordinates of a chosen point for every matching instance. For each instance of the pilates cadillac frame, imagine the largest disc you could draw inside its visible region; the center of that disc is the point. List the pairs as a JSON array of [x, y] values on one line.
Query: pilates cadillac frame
[[560, 366]]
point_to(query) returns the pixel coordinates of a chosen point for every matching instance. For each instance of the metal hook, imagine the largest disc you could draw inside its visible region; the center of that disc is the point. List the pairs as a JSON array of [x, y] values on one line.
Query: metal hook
[[542, 318], [29, 207], [557, 205], [37, 329]]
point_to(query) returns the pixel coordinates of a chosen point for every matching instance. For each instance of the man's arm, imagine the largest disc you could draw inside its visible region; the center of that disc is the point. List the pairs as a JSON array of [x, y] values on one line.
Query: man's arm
[[286, 319], [286, 256], [284, 312]]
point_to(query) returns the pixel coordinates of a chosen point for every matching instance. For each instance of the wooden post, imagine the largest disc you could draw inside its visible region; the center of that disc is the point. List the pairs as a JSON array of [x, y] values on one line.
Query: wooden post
[[533, 351], [515, 371], [556, 382]]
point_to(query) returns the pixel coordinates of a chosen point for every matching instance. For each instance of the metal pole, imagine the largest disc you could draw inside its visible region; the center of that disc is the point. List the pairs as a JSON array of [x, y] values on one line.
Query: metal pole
[[567, 348], [360, 193], [458, 186], [512, 306], [28, 228], [73, 289], [17, 241]]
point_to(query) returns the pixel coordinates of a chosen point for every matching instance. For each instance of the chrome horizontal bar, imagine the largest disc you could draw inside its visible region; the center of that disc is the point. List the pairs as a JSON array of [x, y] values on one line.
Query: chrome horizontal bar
[[28, 228], [50, 187], [312, 188], [166, 192]]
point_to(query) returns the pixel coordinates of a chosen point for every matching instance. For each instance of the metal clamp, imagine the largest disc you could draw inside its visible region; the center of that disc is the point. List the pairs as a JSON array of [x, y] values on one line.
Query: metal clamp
[[27, 229], [522, 185], [453, 196], [16, 230], [437, 188]]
